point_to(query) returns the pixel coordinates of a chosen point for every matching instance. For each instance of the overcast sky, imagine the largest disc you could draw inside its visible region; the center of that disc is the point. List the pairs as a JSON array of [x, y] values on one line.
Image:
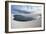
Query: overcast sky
[[25, 9]]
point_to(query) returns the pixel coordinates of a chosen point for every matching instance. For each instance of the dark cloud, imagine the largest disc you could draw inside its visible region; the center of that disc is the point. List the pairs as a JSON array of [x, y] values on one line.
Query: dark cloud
[[22, 18]]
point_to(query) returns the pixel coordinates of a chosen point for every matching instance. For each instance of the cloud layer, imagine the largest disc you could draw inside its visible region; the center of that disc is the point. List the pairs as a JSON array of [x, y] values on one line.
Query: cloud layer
[[25, 12]]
